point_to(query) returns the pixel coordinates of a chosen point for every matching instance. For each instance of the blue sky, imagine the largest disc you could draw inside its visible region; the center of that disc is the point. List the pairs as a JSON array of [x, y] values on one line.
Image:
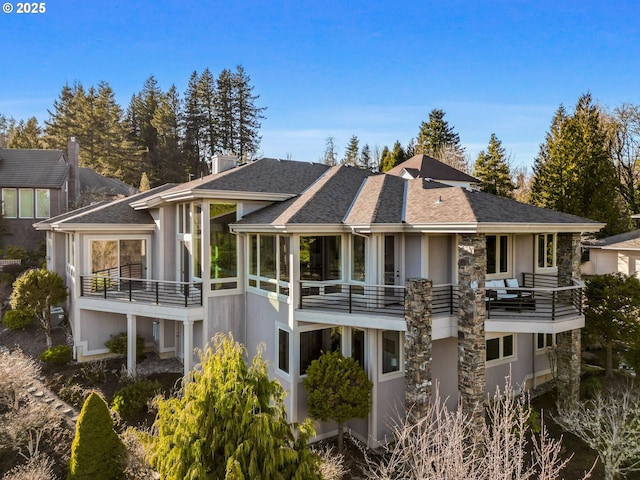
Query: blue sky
[[369, 68]]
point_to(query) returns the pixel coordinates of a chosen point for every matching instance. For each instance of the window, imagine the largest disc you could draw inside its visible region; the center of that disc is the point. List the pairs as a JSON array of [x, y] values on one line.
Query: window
[[42, 203], [320, 258], [358, 258], [499, 348], [546, 340], [358, 346], [223, 245], [26, 203], [390, 351], [546, 250], [283, 350], [497, 254], [315, 342], [119, 258], [10, 202], [269, 263]]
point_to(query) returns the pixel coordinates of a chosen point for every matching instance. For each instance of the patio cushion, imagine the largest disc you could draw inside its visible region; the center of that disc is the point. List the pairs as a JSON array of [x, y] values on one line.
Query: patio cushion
[[511, 283]]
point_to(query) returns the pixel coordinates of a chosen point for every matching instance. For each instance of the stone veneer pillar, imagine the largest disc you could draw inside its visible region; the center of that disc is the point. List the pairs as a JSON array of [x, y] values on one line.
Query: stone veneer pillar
[[417, 345], [568, 344], [472, 253]]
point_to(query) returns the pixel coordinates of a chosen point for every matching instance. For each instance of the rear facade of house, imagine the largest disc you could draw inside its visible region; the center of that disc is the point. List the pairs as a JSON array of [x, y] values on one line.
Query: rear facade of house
[[304, 258]]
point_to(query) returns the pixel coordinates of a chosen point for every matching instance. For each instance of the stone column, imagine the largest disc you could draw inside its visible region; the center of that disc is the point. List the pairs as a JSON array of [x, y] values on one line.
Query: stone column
[[417, 345], [471, 315], [569, 348]]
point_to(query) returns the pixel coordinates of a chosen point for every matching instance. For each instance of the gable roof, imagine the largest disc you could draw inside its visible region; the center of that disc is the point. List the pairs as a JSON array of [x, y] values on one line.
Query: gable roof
[[91, 181], [622, 241], [33, 168], [424, 166]]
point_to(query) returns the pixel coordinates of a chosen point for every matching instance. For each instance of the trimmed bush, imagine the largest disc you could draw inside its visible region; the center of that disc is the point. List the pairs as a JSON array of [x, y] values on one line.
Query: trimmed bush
[[132, 399], [96, 451], [17, 319], [58, 355], [118, 344]]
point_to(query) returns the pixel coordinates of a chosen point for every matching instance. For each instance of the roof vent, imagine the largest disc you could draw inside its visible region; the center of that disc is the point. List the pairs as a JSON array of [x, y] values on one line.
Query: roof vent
[[439, 201]]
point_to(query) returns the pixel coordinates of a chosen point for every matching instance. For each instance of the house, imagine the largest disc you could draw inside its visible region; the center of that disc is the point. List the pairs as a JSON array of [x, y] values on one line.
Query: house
[[424, 166], [38, 184], [615, 254], [418, 280]]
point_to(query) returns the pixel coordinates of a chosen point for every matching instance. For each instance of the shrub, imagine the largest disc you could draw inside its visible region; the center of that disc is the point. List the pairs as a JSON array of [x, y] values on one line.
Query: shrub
[[118, 344], [131, 400], [17, 319], [591, 387], [58, 355]]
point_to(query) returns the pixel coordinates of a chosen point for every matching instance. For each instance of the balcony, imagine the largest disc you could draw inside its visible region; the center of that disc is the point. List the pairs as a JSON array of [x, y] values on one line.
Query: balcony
[[144, 291]]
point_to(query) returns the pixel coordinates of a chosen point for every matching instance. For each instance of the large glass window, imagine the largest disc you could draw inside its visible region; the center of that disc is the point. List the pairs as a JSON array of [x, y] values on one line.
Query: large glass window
[[26, 203], [269, 262], [42, 203], [10, 202], [320, 258], [358, 258], [223, 246], [390, 351], [546, 250], [118, 258], [497, 254], [283, 350], [315, 342]]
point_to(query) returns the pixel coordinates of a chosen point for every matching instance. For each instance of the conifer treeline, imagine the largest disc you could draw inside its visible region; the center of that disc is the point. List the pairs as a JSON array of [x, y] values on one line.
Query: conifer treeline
[[168, 138]]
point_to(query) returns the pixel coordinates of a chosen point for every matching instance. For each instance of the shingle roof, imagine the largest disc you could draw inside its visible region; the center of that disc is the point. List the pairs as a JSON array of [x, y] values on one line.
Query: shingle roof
[[32, 168], [622, 241], [380, 201], [424, 166], [91, 181], [326, 201]]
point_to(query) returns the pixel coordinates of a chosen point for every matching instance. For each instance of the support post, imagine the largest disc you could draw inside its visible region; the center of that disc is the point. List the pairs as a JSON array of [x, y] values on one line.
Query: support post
[[131, 344]]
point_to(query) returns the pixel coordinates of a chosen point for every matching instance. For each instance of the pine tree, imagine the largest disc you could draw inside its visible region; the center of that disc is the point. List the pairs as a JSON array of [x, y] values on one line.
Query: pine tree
[[229, 422], [67, 119], [193, 125], [167, 121], [224, 125], [492, 169], [365, 157], [211, 127], [96, 451], [351, 156], [26, 135], [386, 162], [436, 135], [5, 124], [574, 172], [247, 115], [144, 183]]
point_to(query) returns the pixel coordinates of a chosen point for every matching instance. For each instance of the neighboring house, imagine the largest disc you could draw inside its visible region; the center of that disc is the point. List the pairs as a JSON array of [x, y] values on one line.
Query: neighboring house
[[424, 166], [38, 184], [615, 254], [405, 275]]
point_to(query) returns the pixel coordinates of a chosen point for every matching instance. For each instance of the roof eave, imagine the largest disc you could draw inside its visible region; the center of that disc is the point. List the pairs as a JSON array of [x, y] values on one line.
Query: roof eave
[[95, 227], [196, 194], [578, 227]]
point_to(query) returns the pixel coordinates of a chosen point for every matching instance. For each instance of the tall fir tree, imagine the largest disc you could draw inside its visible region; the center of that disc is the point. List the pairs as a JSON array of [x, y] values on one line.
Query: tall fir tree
[[247, 114], [26, 135], [574, 172], [167, 120], [438, 139], [493, 171], [351, 153], [193, 126], [67, 118], [386, 162], [365, 157], [225, 126]]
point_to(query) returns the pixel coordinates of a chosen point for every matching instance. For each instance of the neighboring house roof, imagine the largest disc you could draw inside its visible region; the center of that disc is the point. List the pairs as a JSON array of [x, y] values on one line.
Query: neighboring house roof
[[424, 166], [116, 212], [32, 168], [91, 181], [622, 241]]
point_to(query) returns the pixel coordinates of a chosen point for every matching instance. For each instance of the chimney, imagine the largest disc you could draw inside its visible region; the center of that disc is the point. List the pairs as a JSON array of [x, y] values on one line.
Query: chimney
[[73, 154], [220, 163]]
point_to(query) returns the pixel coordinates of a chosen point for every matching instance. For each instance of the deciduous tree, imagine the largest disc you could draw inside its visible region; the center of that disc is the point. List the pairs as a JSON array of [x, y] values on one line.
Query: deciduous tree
[[229, 421]]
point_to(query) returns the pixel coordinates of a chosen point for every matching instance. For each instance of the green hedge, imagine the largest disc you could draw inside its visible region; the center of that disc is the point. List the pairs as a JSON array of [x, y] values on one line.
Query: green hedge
[[118, 344], [16, 319], [58, 355], [132, 399]]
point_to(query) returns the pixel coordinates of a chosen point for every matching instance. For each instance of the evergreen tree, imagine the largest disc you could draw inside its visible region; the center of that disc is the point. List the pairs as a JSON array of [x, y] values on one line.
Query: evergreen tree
[[492, 169], [26, 135], [96, 451], [436, 136], [351, 156], [67, 119], [338, 389], [573, 171], [209, 99], [229, 422], [5, 125], [193, 125], [167, 121], [144, 183], [247, 115], [365, 157], [386, 162]]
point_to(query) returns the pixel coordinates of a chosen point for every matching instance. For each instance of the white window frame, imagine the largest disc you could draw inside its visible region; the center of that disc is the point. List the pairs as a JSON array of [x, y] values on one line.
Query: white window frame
[[509, 254], [546, 268], [502, 358], [282, 288], [397, 373], [22, 214], [213, 282], [15, 202], [546, 342], [38, 204]]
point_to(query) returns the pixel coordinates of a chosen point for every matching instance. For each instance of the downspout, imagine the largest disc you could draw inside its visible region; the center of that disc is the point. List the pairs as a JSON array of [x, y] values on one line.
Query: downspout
[[534, 383]]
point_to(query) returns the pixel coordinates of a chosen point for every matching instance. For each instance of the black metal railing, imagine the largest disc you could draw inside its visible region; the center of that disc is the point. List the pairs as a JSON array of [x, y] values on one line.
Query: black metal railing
[[156, 292], [127, 270]]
